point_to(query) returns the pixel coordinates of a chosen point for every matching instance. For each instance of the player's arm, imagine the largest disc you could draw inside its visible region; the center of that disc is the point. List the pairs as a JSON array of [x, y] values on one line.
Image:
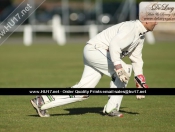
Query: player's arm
[[123, 38], [137, 63], [136, 60]]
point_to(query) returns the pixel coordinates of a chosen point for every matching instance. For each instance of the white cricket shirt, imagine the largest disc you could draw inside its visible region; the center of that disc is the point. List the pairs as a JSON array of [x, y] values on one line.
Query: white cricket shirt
[[123, 39]]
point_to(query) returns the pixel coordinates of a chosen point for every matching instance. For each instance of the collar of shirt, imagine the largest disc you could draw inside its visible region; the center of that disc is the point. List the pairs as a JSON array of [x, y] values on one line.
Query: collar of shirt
[[142, 29]]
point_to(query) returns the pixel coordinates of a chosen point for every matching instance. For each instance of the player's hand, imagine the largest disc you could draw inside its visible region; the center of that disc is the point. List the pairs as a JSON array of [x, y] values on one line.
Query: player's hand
[[140, 83], [123, 76]]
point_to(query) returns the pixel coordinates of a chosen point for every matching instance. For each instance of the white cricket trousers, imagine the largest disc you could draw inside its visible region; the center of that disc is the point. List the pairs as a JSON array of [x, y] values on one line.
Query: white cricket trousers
[[97, 62]]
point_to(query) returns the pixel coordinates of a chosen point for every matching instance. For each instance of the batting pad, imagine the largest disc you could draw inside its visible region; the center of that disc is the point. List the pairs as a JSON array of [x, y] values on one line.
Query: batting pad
[[60, 102]]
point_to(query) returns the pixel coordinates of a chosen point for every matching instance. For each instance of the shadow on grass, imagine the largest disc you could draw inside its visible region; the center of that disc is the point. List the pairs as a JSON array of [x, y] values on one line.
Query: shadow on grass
[[80, 111]]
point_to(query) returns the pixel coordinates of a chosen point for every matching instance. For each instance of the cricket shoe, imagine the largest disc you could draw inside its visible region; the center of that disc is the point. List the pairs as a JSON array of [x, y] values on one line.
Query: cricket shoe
[[37, 103], [113, 113]]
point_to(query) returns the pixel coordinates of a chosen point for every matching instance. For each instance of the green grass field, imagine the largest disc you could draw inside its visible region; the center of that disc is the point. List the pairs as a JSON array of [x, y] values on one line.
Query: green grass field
[[52, 66]]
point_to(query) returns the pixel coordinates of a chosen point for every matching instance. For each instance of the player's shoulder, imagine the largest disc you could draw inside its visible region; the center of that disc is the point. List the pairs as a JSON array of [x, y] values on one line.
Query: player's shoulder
[[128, 26]]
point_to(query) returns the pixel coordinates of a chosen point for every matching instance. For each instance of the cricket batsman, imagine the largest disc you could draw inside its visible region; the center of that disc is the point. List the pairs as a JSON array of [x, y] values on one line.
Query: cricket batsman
[[103, 55]]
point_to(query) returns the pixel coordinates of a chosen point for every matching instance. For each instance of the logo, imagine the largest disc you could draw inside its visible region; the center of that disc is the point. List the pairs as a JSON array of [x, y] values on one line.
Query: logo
[[157, 11], [124, 53]]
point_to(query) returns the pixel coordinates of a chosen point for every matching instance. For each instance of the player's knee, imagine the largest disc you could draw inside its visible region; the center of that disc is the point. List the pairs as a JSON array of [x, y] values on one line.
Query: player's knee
[[82, 97], [86, 96]]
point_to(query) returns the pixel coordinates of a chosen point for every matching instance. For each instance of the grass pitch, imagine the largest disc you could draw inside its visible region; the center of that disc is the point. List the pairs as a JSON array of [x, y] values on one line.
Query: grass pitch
[[53, 66]]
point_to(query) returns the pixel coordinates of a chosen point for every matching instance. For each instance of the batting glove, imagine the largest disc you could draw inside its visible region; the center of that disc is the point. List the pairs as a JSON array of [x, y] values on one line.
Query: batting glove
[[140, 80], [123, 76], [140, 83]]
